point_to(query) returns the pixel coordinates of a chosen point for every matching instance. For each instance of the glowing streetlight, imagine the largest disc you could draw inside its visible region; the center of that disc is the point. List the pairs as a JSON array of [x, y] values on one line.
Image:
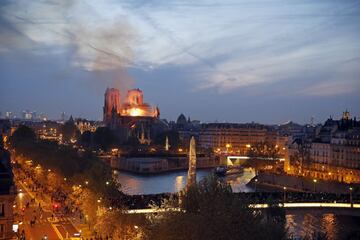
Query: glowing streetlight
[[256, 180], [351, 199], [86, 182], [284, 194], [107, 182], [314, 181]]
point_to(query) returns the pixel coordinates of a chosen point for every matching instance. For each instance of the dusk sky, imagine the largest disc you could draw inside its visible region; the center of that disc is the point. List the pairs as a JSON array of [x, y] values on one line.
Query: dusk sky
[[237, 61]]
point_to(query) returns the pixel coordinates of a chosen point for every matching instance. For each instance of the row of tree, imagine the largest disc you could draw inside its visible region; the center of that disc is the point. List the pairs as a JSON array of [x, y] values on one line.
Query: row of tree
[[64, 160]]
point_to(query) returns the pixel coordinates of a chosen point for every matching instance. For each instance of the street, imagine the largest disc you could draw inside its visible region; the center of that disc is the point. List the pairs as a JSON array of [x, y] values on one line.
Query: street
[[35, 215]]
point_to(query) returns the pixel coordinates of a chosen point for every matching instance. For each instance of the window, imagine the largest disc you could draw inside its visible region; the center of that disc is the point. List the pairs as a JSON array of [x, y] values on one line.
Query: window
[[2, 231], [2, 209]]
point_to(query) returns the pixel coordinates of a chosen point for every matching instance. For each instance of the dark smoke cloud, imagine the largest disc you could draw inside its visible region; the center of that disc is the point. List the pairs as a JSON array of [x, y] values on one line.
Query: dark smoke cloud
[[87, 38]]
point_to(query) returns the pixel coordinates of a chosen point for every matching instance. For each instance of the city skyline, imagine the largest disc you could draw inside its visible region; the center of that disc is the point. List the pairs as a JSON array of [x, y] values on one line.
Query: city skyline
[[240, 62]]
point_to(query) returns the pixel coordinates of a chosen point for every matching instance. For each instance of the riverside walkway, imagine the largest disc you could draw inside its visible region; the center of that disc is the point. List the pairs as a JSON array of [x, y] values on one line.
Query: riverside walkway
[[353, 209]]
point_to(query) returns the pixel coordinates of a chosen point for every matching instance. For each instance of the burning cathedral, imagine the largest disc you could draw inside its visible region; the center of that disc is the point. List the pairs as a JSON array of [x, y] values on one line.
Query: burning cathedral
[[131, 116]]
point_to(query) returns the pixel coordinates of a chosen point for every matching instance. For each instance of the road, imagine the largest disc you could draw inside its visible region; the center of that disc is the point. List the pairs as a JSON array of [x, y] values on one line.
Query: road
[[35, 215]]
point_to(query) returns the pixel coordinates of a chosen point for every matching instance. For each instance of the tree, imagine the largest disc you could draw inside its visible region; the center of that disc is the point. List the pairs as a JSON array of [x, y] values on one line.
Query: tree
[[119, 226], [86, 138], [209, 210], [69, 131], [23, 138], [23, 133], [104, 138], [89, 205]]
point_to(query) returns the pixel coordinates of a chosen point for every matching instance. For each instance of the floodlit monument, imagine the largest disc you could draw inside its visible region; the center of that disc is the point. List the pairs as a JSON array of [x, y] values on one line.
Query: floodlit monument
[[167, 144], [191, 179]]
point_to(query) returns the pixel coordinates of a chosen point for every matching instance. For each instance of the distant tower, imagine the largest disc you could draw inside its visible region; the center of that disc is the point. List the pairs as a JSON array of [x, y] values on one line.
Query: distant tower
[[191, 178], [112, 101], [135, 97], [346, 115], [167, 144]]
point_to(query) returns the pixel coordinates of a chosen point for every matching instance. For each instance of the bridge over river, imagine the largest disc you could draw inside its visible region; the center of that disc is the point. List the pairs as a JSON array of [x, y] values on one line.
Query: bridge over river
[[337, 208], [289, 200]]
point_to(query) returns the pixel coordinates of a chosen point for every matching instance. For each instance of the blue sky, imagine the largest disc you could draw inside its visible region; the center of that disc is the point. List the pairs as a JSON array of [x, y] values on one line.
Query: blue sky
[[237, 61]]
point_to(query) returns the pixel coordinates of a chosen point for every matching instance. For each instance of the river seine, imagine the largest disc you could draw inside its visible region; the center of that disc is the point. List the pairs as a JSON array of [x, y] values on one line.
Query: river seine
[[300, 224]]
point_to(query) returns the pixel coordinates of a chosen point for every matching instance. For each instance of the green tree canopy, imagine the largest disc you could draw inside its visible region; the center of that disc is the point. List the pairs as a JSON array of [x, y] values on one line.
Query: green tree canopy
[[104, 138], [209, 210], [22, 137], [69, 131]]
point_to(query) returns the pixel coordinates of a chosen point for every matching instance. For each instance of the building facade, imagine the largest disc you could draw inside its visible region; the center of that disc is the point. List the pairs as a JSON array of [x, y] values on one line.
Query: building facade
[[133, 105], [237, 138], [7, 196], [334, 154]]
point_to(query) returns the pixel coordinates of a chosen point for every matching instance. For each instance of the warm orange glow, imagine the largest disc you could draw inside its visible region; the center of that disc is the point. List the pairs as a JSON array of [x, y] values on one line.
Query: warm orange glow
[[180, 149], [248, 145], [134, 112]]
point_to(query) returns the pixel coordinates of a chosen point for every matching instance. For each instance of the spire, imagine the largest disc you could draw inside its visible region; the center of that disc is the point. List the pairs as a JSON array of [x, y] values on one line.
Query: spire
[[71, 120]]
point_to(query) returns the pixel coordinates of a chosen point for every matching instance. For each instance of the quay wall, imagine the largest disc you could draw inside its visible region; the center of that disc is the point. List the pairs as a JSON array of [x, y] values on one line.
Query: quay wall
[[299, 183]]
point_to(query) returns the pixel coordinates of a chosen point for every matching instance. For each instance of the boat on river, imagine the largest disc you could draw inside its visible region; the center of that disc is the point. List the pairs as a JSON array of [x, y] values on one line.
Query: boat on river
[[223, 171]]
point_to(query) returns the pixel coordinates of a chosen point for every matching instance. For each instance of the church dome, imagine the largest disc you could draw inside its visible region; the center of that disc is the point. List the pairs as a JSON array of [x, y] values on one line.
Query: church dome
[[181, 119]]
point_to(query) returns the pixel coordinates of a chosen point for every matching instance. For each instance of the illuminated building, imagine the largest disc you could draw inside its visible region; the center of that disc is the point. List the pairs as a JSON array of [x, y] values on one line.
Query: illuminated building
[[133, 105], [237, 138], [86, 125], [9, 115], [112, 103], [334, 154], [131, 118]]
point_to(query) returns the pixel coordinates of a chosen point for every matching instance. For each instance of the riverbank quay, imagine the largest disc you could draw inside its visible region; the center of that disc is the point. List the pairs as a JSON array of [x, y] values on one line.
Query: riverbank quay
[[277, 197], [265, 181]]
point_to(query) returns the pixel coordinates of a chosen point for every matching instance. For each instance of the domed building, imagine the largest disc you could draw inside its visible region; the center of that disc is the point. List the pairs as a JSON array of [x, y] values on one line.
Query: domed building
[[181, 120]]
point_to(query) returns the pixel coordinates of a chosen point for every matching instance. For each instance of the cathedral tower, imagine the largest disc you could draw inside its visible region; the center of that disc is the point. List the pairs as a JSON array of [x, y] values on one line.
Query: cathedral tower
[[112, 103]]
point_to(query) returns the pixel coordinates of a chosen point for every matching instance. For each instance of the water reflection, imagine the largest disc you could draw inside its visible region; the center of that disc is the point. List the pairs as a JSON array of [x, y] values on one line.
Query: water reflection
[[300, 224], [305, 224], [179, 183], [174, 181], [329, 225]]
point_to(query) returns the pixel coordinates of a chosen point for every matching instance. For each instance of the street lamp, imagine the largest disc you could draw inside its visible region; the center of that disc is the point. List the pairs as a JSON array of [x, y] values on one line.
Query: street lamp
[[86, 182], [107, 182], [284, 194], [351, 200], [256, 180], [315, 181]]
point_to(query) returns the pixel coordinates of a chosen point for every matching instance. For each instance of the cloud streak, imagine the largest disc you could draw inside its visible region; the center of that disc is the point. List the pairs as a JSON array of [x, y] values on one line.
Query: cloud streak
[[229, 46]]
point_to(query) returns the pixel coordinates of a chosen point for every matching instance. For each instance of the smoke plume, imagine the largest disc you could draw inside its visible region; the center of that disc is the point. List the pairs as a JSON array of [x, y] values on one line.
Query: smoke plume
[[93, 38]]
